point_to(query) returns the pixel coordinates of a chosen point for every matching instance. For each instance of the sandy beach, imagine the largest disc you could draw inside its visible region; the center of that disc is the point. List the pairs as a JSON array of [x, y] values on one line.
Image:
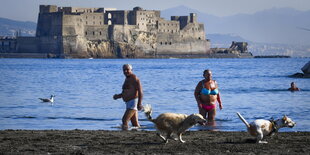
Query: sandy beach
[[146, 142]]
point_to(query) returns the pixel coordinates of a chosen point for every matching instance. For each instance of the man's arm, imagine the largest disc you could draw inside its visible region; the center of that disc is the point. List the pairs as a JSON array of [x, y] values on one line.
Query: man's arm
[[117, 96], [140, 94]]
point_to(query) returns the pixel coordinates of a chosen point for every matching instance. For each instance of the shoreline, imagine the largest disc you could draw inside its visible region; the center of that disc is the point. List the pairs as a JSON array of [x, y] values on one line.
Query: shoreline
[[147, 142]]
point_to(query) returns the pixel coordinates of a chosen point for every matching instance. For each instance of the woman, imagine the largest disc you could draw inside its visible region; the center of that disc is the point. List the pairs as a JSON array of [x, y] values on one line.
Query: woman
[[206, 94]]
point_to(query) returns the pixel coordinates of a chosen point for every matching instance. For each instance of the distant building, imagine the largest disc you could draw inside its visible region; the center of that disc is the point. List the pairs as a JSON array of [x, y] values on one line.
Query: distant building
[[99, 32]]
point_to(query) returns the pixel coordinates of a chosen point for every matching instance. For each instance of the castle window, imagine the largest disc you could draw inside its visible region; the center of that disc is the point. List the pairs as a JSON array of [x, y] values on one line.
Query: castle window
[[86, 17], [86, 33], [94, 23], [100, 23], [109, 15], [86, 22], [199, 38], [100, 33], [168, 24], [94, 33], [169, 43], [165, 43], [161, 43]]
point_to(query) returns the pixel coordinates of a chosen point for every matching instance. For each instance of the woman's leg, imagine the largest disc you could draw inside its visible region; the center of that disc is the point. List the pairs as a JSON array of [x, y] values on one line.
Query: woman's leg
[[203, 112], [211, 115]]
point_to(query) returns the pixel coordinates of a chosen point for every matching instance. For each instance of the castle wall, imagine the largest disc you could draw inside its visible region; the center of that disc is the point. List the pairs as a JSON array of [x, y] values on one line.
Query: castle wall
[[92, 19], [8, 45], [169, 27], [193, 31], [146, 19], [96, 32], [192, 47], [123, 33], [27, 45], [50, 44]]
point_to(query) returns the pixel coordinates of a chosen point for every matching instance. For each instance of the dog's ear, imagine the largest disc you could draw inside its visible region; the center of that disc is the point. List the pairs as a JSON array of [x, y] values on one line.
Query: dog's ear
[[284, 118]]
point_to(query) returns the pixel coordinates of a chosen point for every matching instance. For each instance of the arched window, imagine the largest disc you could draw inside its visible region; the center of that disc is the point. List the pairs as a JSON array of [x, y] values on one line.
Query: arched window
[[109, 15]]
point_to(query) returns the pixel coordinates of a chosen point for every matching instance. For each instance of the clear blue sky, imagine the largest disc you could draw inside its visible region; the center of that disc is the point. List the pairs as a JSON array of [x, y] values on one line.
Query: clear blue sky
[[27, 10]]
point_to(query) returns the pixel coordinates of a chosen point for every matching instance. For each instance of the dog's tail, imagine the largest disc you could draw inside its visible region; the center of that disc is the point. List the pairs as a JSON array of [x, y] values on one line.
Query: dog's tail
[[148, 111], [243, 120]]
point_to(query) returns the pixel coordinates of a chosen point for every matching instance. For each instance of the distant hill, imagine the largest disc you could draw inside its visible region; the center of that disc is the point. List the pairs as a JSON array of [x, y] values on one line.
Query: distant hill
[[9, 27], [276, 25]]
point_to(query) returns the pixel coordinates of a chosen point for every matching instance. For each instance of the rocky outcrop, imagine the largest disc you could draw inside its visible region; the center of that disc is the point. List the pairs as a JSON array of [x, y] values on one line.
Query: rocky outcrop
[[306, 72], [306, 68]]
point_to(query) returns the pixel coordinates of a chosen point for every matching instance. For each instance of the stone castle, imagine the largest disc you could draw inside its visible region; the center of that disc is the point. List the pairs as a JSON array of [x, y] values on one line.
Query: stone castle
[[69, 32]]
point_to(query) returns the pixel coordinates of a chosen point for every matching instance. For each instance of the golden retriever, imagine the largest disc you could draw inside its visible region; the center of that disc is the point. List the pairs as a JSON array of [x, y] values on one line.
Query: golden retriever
[[168, 123]]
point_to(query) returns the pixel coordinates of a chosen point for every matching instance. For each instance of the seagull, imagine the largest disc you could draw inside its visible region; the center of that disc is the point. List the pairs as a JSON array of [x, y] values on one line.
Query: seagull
[[48, 99]]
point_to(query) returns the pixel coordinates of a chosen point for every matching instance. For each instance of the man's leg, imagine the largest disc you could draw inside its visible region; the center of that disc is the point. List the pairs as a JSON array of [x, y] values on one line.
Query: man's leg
[[134, 119], [127, 116]]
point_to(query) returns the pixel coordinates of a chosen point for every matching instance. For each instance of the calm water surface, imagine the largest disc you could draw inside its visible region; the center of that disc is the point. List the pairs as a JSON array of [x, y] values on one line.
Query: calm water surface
[[257, 88]]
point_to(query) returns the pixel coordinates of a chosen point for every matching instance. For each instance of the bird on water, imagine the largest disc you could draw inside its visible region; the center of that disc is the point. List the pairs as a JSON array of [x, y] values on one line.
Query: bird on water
[[51, 99]]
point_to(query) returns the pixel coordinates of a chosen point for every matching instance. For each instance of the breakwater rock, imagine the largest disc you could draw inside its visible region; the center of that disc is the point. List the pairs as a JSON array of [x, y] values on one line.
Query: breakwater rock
[[306, 72]]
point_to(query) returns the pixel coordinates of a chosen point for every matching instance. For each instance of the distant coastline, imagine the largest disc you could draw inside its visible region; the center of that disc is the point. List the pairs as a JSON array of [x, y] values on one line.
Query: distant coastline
[[272, 56]]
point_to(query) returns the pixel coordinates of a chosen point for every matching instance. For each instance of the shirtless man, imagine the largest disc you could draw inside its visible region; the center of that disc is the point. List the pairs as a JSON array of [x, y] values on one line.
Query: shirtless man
[[293, 87], [206, 95], [132, 95]]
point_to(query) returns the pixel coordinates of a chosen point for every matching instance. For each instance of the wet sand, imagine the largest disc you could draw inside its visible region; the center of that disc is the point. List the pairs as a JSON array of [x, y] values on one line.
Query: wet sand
[[146, 142]]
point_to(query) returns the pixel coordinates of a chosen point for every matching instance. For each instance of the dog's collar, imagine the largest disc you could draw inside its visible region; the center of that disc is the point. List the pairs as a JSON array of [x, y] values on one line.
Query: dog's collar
[[274, 127]]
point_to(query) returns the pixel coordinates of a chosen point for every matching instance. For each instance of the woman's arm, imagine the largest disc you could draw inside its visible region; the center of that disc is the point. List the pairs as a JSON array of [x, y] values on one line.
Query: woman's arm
[[197, 94]]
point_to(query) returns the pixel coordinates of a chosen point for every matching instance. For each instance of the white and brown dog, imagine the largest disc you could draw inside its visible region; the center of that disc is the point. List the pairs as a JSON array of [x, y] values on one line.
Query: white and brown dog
[[168, 123], [262, 127]]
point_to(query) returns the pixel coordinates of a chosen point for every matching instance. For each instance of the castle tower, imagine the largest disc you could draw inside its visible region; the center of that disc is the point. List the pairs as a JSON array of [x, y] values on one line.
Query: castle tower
[[193, 18]]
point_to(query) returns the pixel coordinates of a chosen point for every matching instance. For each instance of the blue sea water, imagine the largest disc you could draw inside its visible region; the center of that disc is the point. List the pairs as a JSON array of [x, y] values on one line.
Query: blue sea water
[[257, 88]]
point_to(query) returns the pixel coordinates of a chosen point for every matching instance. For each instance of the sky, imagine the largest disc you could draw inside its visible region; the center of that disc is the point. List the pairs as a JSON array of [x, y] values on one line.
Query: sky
[[27, 10]]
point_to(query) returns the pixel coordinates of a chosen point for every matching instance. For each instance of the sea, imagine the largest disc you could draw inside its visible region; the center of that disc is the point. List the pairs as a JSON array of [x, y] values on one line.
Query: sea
[[255, 87]]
